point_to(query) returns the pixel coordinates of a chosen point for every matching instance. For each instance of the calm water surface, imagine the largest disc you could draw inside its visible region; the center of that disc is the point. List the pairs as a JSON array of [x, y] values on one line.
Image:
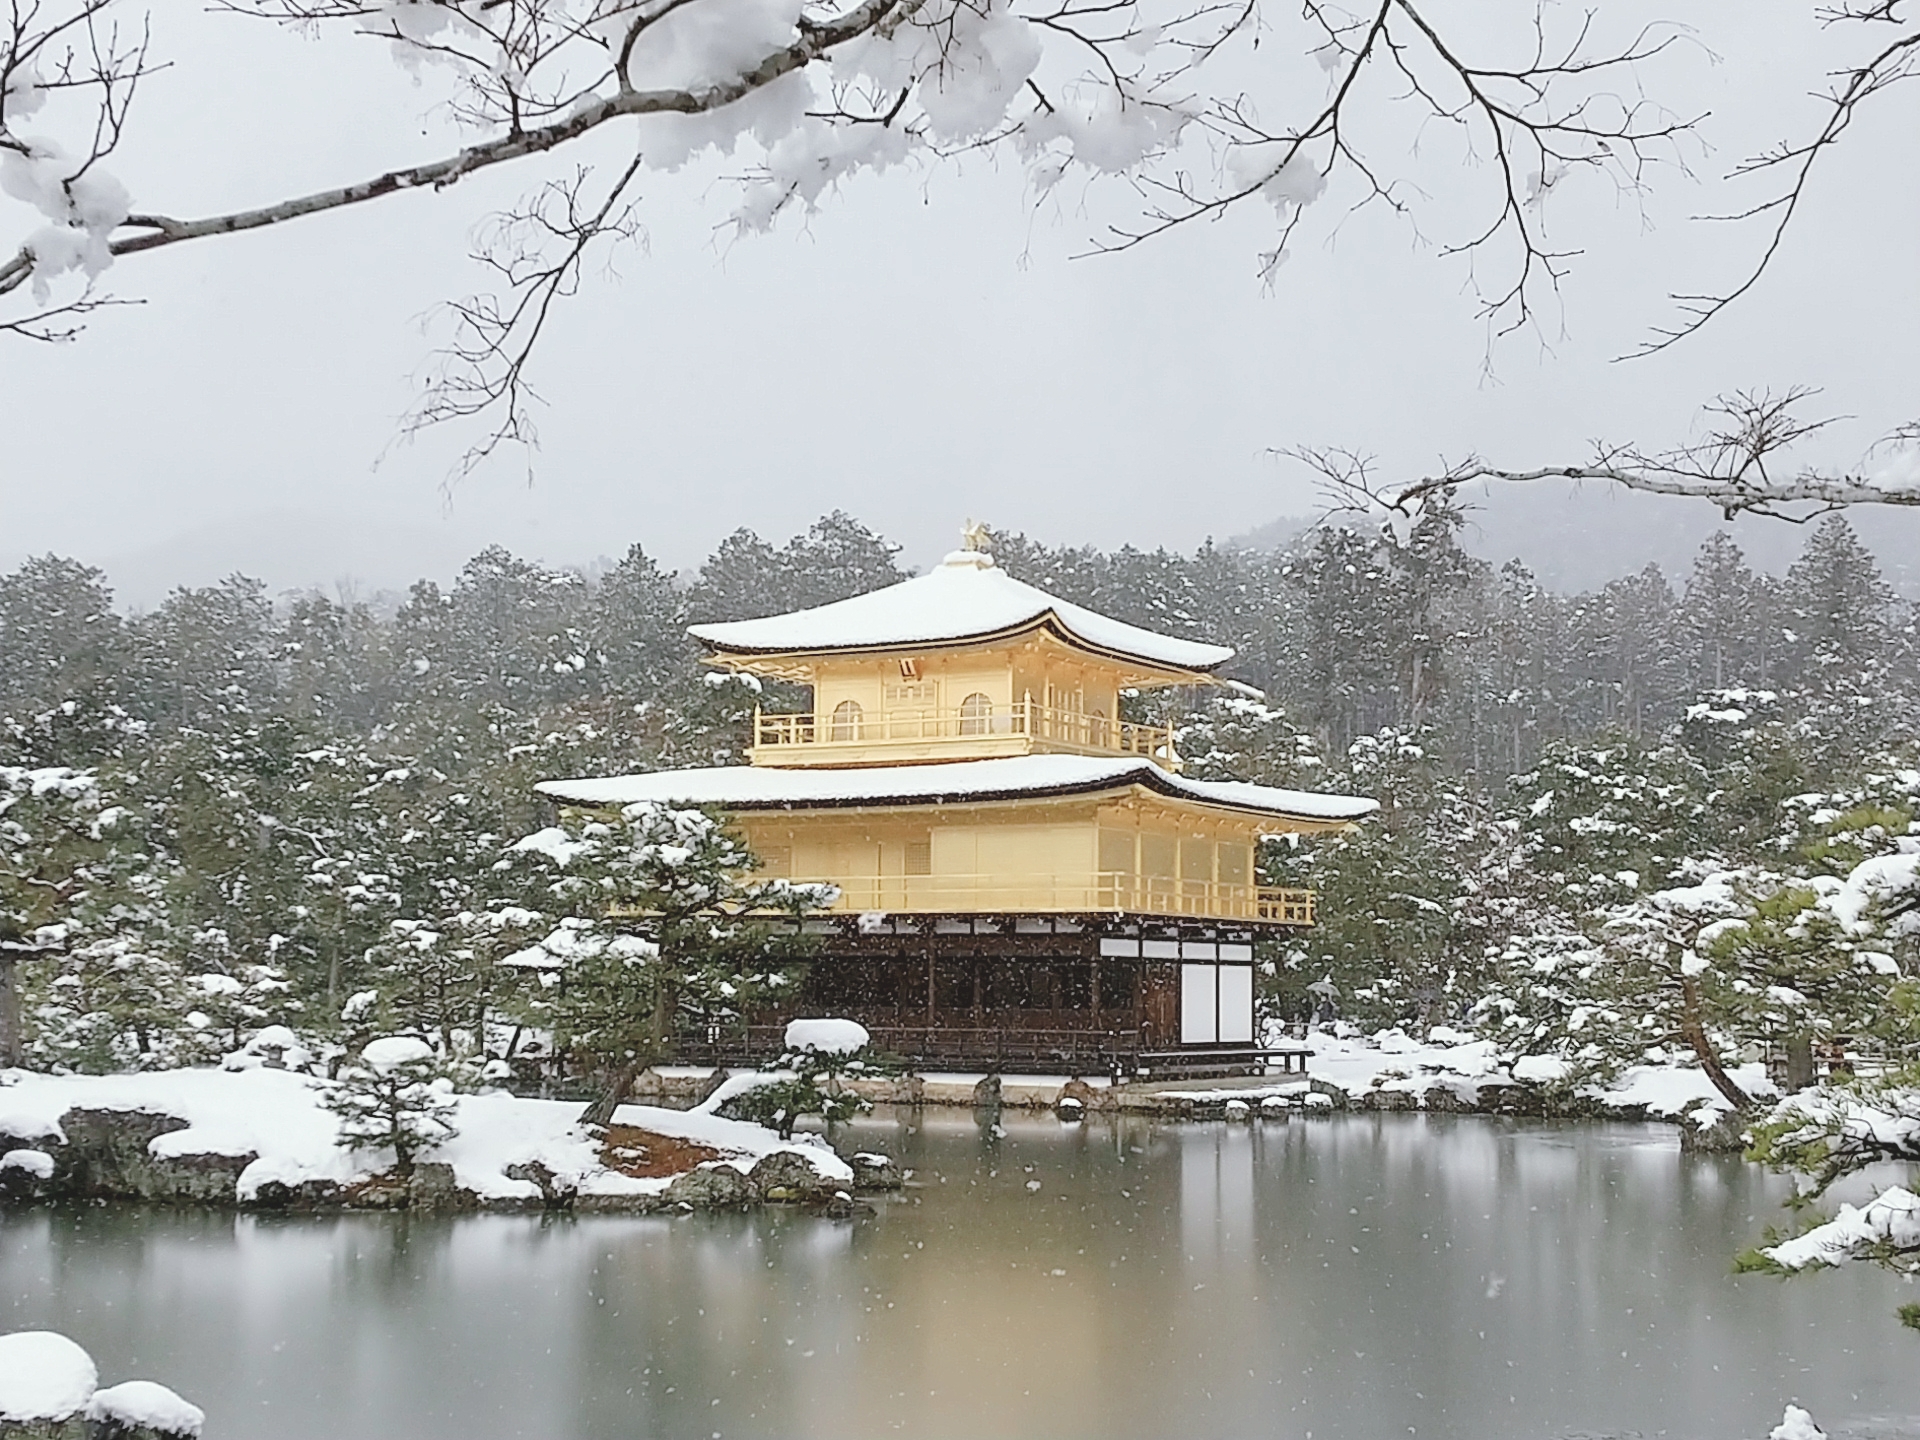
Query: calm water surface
[[1355, 1278]]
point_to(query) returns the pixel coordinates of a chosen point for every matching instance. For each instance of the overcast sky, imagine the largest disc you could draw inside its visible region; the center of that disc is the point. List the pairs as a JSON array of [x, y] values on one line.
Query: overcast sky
[[923, 351]]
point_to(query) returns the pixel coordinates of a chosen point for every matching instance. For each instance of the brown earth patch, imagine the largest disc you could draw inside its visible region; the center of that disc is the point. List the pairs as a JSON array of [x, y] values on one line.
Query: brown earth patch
[[647, 1156], [382, 1191]]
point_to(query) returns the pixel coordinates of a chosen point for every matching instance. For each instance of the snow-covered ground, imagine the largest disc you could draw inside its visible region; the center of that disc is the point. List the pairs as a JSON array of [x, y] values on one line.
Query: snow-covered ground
[[276, 1116], [1464, 1065]]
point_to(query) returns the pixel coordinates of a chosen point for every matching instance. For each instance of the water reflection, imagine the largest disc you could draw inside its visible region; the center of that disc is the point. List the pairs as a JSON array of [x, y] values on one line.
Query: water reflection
[[1356, 1277]]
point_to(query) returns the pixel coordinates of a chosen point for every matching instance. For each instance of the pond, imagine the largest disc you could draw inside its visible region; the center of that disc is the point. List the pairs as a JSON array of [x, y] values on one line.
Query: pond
[[1352, 1278]]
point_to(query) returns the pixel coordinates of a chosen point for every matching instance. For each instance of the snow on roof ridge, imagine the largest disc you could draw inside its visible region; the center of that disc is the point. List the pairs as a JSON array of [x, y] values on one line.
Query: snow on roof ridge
[[756, 787], [965, 596]]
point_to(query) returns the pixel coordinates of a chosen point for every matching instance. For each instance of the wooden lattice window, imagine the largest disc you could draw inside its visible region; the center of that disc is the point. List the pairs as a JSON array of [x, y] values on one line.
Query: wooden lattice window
[[848, 720], [920, 856], [976, 714]]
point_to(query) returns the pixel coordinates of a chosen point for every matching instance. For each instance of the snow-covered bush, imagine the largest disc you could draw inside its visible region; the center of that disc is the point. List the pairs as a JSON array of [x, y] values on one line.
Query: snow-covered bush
[[810, 1077], [393, 1097]]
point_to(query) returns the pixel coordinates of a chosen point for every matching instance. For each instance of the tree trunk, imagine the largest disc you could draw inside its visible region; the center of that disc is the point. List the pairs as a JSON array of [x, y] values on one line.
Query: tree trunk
[[599, 1114], [657, 1047], [1693, 1029], [1799, 1062], [11, 1042]]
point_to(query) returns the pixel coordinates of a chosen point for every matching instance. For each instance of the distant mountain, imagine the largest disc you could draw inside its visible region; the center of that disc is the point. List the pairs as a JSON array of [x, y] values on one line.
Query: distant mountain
[[1577, 537], [294, 550]]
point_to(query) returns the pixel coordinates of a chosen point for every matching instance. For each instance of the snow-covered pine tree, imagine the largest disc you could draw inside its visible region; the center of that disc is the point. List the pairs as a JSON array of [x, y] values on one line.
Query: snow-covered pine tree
[[1629, 659], [663, 928], [1506, 704], [1856, 1124], [1234, 734], [1344, 674], [338, 675], [742, 579], [1605, 820], [392, 1097], [82, 907], [1839, 644], [206, 657], [637, 629], [60, 640], [1725, 624], [511, 636], [1404, 935], [835, 558]]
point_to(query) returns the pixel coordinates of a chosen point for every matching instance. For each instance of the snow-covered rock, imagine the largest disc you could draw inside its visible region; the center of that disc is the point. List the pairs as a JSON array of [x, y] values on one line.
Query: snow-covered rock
[[1797, 1424], [146, 1405], [827, 1037], [49, 1388], [1452, 1071], [36, 1163], [44, 1376]]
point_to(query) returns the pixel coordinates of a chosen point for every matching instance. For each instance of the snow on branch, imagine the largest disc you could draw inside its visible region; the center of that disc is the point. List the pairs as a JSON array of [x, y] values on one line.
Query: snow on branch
[[1886, 1230]]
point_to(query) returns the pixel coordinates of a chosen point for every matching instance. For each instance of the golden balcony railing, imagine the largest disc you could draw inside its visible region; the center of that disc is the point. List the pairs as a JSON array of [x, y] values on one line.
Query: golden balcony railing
[[966, 725], [1110, 892]]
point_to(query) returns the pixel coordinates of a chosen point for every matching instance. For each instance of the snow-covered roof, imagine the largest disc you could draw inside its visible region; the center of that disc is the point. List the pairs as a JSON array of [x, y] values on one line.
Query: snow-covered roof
[[965, 597], [749, 787]]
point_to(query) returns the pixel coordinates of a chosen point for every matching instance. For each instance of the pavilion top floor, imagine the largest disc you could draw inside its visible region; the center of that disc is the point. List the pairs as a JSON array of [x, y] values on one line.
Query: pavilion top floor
[[964, 663]]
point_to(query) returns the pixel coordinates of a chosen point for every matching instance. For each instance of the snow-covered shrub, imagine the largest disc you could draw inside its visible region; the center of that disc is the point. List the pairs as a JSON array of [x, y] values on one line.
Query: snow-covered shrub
[[810, 1077], [393, 1097]]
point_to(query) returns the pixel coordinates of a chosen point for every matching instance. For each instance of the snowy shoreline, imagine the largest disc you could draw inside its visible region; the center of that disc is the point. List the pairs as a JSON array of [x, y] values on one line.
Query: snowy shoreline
[[261, 1139]]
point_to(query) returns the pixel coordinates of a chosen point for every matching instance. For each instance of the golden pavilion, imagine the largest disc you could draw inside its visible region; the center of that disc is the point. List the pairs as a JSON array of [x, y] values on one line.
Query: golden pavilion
[[1025, 879]]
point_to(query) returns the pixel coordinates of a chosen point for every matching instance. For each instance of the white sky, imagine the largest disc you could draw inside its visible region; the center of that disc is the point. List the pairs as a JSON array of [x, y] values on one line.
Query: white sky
[[923, 351]]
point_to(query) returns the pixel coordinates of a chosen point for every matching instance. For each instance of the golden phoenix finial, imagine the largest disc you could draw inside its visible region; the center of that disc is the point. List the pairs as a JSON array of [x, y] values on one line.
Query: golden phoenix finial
[[974, 536]]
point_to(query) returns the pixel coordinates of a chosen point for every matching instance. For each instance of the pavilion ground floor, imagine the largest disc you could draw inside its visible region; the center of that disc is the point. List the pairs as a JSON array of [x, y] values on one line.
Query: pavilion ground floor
[[1098, 994]]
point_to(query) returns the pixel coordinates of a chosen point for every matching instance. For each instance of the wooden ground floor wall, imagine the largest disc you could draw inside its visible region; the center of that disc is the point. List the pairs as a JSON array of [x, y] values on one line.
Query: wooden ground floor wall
[[1079, 999]]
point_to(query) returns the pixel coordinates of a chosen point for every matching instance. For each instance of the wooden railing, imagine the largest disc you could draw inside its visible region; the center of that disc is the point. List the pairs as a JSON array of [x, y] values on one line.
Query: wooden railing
[[1110, 891], [1048, 723]]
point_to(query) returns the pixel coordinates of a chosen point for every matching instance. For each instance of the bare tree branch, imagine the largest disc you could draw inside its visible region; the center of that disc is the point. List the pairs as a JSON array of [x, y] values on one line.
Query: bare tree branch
[[1889, 63], [1121, 90], [60, 324], [1739, 465], [483, 369]]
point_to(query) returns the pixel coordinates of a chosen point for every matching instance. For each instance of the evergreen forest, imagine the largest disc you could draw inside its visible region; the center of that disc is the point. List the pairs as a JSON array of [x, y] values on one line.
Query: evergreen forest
[[242, 809]]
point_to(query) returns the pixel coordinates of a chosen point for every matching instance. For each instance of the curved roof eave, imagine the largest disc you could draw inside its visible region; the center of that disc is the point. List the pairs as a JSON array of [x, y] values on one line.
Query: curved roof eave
[[963, 600], [978, 786], [1049, 620]]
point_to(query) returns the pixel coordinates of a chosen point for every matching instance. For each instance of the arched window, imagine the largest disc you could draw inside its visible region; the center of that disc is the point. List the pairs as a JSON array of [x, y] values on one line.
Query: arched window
[[1097, 726], [976, 714], [847, 720]]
